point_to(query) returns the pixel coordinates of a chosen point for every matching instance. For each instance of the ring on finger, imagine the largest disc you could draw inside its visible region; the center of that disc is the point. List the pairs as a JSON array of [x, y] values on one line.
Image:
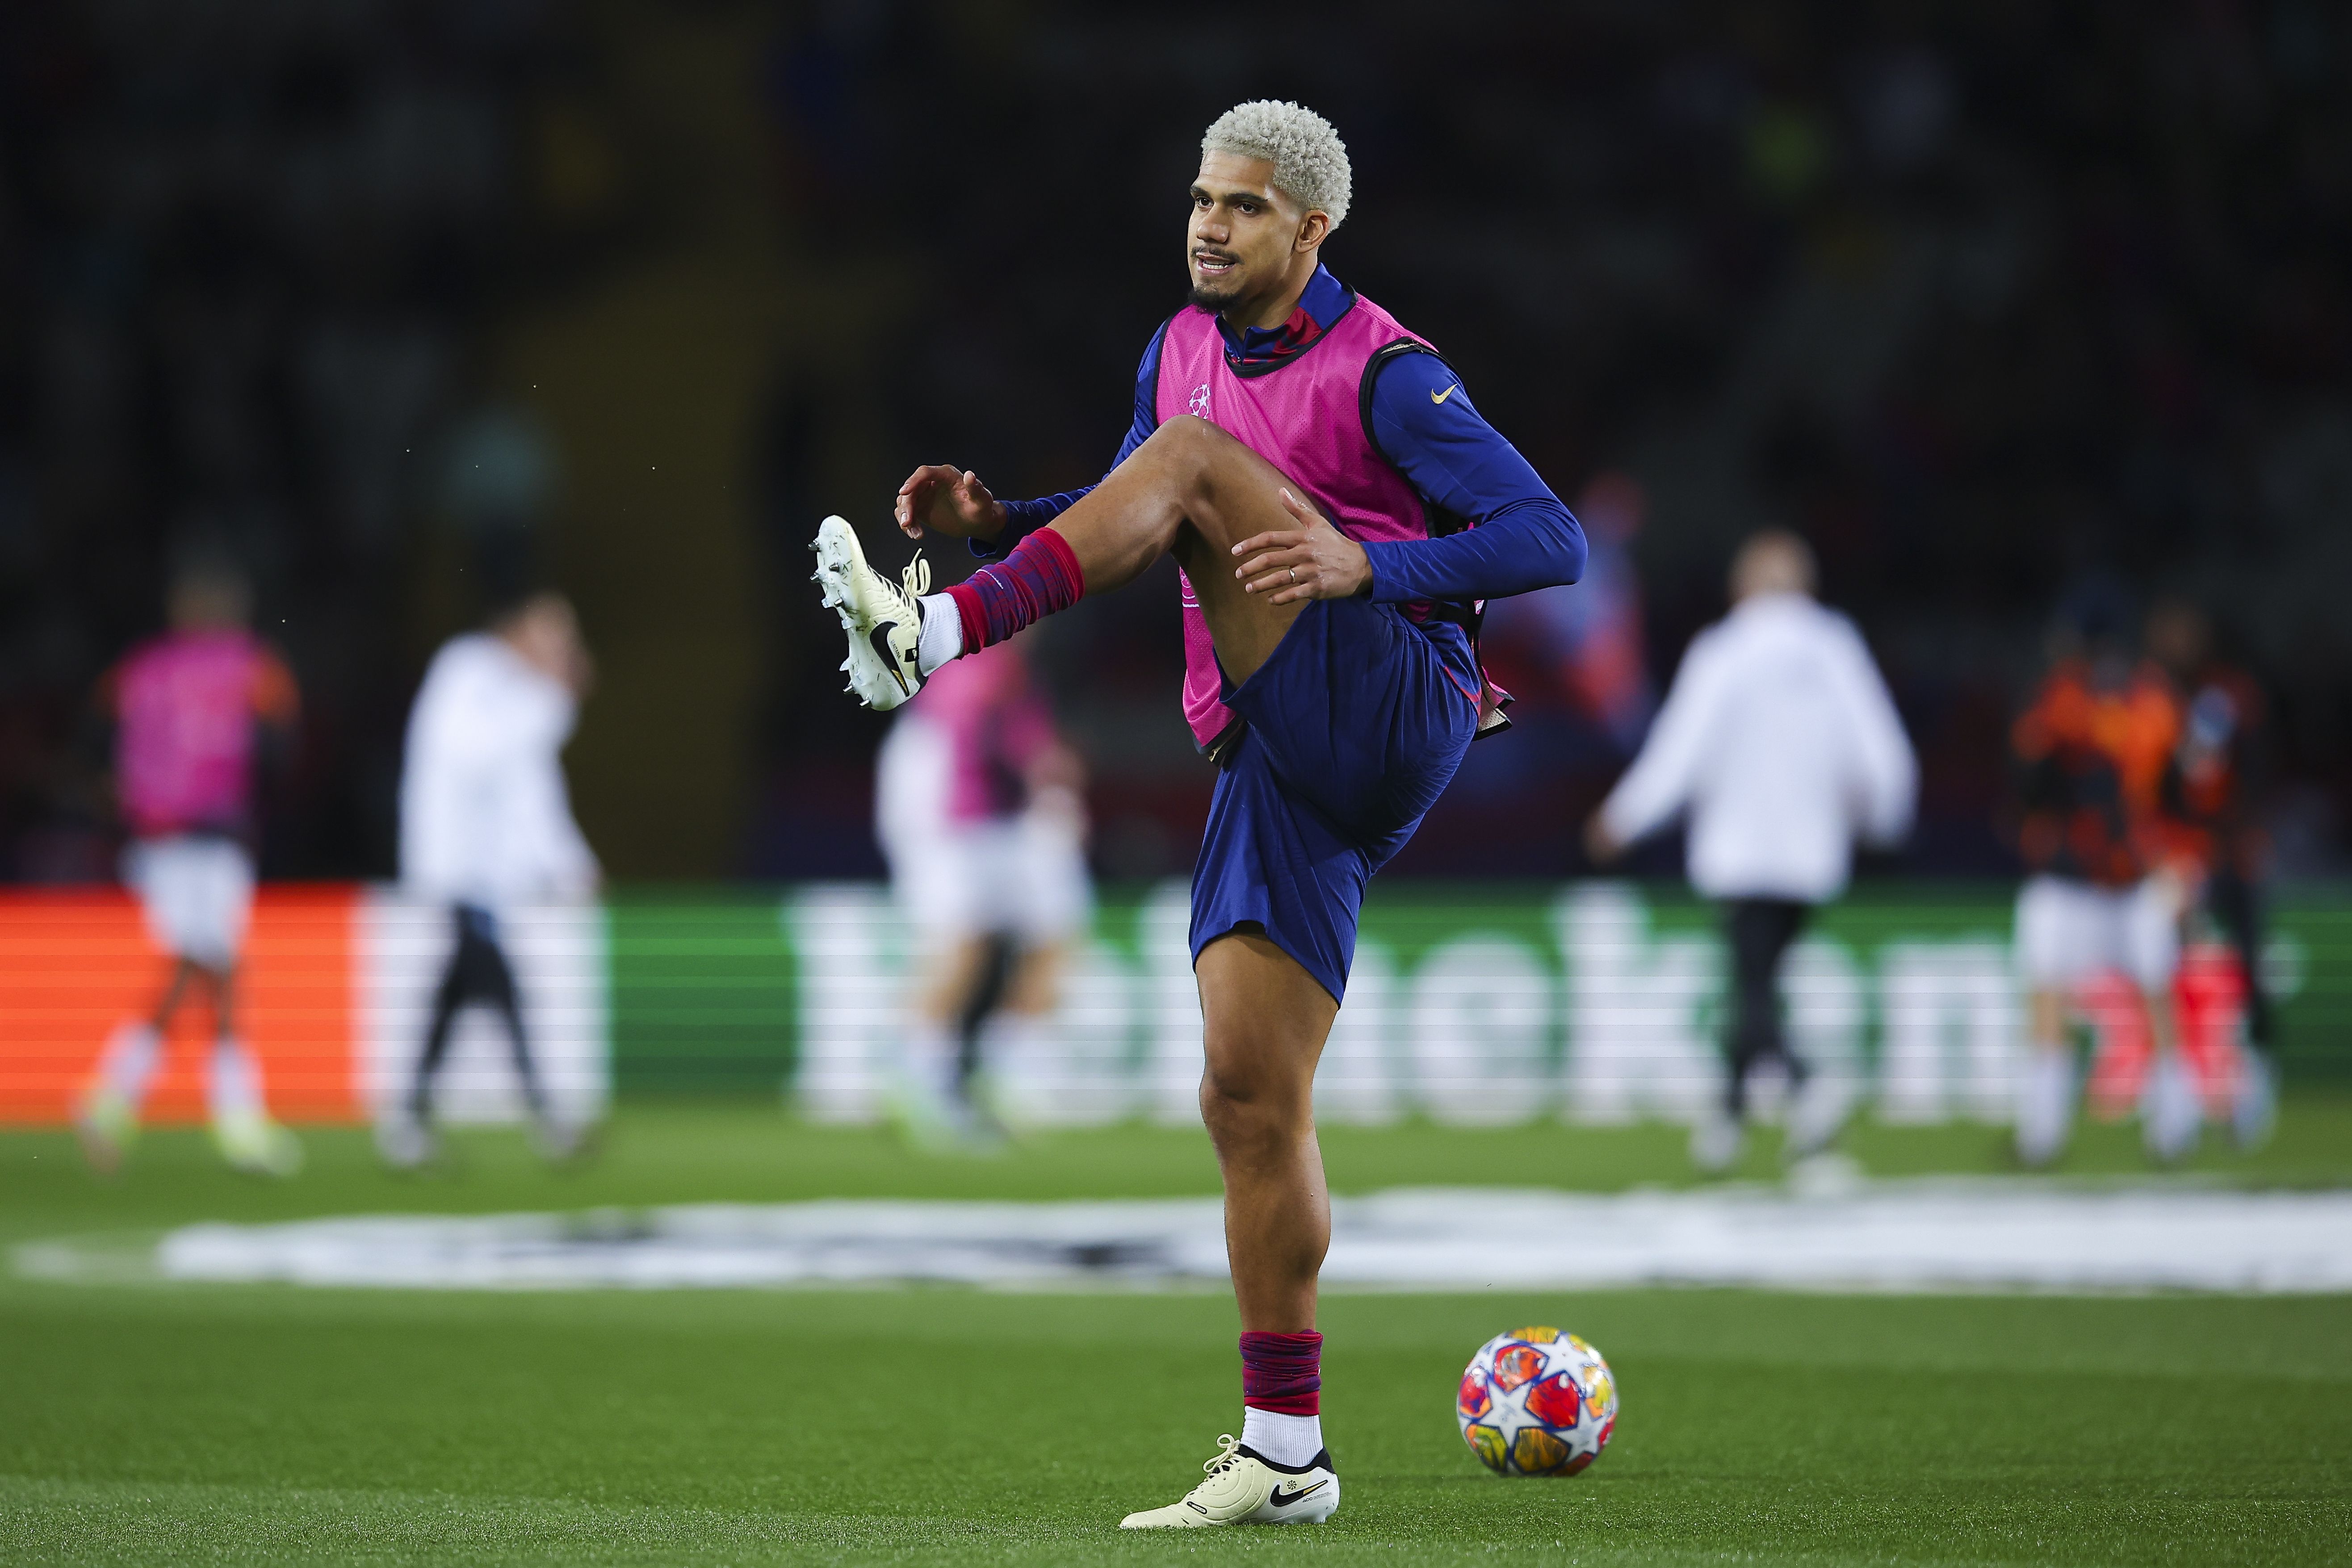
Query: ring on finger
[[1294, 573]]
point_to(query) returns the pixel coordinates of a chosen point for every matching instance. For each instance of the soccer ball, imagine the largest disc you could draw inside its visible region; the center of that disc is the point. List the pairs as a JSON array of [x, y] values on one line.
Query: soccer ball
[[1535, 1402]]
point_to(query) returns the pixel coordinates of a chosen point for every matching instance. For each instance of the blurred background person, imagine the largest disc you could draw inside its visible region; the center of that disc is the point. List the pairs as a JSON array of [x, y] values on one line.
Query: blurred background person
[[1587, 643], [1780, 741], [2216, 807], [978, 807], [2106, 885], [195, 713], [486, 824]]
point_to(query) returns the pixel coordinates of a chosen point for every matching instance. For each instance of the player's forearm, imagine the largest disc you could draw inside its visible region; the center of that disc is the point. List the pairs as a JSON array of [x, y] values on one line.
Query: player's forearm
[[1531, 543]]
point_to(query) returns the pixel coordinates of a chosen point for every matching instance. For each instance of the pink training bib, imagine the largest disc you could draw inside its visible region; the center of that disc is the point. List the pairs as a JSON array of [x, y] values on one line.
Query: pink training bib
[[997, 726], [185, 706], [1304, 415]]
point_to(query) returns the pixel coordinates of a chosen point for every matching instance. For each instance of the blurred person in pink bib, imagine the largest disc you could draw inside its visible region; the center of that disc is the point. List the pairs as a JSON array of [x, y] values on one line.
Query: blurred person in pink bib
[[979, 813], [194, 711]]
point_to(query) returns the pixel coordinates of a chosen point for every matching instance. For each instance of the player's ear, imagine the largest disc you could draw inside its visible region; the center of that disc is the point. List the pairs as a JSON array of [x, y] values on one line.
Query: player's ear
[[1312, 228]]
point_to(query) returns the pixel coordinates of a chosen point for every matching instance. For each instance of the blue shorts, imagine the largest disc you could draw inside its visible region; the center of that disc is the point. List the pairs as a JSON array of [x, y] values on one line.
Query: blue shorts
[[1355, 725]]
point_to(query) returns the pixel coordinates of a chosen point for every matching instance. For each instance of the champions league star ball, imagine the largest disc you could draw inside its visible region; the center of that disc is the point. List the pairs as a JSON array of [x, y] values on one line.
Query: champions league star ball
[[1535, 1402]]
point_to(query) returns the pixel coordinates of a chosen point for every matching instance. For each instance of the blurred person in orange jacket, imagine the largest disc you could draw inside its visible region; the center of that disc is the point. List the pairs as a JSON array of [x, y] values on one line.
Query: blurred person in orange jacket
[[2106, 885], [2216, 785]]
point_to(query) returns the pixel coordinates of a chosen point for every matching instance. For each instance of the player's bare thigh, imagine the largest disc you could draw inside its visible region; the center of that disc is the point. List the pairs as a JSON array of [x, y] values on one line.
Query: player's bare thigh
[[1264, 1018], [1192, 491]]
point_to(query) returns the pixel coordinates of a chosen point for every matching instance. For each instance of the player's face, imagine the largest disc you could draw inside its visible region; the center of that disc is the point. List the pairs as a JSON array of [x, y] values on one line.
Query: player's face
[[1245, 235]]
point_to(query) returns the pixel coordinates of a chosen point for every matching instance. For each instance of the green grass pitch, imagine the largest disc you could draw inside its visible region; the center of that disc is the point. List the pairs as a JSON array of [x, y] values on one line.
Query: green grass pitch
[[167, 1424]]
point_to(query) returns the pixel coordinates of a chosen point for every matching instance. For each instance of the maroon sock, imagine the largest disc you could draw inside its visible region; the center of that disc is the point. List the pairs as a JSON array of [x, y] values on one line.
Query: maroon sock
[[1039, 577], [1283, 1372]]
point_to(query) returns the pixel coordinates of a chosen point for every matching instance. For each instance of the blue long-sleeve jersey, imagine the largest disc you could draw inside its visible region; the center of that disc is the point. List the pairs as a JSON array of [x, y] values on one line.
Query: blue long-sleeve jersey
[[1524, 538]]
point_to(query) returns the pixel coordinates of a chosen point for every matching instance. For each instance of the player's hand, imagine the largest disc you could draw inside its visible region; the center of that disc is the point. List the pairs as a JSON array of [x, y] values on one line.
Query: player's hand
[[949, 500], [1600, 845], [1313, 561]]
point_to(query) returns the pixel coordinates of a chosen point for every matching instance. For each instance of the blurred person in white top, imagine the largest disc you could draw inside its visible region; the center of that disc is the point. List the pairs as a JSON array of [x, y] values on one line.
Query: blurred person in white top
[[1780, 743], [486, 824]]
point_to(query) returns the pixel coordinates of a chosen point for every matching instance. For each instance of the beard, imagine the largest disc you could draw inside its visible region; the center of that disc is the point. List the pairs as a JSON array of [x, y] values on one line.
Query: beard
[[1215, 298]]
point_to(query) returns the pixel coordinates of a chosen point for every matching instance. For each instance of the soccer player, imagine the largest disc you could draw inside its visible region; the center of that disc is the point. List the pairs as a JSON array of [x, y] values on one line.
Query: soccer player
[[2217, 777], [978, 809], [2105, 887], [1779, 740], [485, 823], [1315, 470], [194, 711], [1592, 639]]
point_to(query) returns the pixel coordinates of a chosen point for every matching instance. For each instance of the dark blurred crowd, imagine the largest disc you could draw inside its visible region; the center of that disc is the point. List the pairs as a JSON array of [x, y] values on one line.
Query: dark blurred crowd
[[246, 248], [1999, 304]]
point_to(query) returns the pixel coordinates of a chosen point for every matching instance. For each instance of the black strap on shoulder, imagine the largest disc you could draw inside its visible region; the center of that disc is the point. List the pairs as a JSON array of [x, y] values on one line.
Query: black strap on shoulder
[[1439, 520]]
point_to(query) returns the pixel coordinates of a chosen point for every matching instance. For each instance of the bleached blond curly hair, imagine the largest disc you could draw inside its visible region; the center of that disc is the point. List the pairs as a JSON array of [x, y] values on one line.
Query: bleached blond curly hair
[[1310, 161]]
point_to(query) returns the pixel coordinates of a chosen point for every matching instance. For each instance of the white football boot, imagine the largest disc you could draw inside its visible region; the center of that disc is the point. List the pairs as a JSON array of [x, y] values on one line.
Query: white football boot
[[1717, 1139], [107, 1123], [1243, 1489], [1817, 1114], [884, 621], [406, 1142], [254, 1144]]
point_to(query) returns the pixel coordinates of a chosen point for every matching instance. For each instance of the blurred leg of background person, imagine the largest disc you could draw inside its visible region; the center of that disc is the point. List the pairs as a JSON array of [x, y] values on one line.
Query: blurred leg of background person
[[1029, 1070], [2235, 905], [1757, 931], [477, 974], [2069, 930], [963, 981], [2058, 944], [2052, 914], [196, 892], [106, 1119], [976, 808], [2172, 1111], [985, 1014], [234, 1098]]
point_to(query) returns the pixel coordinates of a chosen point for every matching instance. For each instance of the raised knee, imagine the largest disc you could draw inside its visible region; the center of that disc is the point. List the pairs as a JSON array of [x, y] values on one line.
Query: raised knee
[[1192, 447], [1189, 431]]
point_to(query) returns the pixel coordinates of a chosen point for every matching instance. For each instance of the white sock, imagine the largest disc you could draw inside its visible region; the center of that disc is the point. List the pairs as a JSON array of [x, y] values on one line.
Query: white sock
[[132, 1053], [1026, 1075], [942, 632], [1285, 1439], [234, 1088], [2170, 1111], [2045, 1111], [930, 1061]]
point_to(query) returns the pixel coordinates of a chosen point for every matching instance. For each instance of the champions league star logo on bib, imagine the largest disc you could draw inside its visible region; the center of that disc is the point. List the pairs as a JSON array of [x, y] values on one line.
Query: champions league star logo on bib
[[1199, 408]]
